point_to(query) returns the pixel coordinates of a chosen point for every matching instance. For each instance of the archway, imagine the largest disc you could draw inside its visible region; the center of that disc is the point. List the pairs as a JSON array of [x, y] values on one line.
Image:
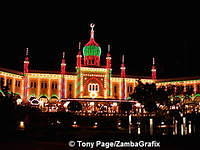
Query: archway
[[43, 99], [53, 99]]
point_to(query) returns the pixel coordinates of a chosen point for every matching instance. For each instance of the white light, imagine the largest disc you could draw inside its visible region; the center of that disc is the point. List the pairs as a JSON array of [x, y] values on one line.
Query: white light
[[190, 127], [139, 131], [137, 104], [74, 122], [19, 101], [21, 125], [129, 119], [35, 103], [91, 103], [95, 123], [151, 126], [114, 104], [66, 104], [182, 129]]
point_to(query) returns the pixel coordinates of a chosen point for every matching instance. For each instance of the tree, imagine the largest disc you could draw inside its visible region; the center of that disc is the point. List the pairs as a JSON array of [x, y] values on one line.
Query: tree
[[125, 106], [74, 106], [8, 112], [148, 95]]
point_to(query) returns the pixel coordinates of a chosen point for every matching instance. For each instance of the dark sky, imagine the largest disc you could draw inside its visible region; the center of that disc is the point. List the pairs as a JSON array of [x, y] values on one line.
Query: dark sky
[[139, 35]]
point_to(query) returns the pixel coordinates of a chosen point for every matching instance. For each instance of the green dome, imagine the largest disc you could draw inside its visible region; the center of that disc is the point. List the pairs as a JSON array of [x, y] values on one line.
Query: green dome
[[92, 50]]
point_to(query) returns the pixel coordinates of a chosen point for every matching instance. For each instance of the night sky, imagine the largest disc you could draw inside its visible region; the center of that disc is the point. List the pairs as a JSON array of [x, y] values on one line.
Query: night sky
[[137, 34]]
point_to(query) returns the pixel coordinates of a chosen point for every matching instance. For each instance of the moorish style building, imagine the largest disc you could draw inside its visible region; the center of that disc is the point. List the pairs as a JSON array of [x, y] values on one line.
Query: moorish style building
[[91, 80]]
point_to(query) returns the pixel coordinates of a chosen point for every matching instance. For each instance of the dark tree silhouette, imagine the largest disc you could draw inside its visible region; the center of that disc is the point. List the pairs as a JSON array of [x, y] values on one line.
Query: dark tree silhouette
[[148, 95], [74, 106], [125, 106], [8, 113]]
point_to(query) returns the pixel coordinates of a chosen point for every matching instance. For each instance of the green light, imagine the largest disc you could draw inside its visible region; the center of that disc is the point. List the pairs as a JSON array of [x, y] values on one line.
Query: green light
[[91, 50], [197, 94]]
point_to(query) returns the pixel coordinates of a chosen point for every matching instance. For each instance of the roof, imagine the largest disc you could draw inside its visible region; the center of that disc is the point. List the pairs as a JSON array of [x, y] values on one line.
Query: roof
[[11, 71], [50, 72], [178, 79]]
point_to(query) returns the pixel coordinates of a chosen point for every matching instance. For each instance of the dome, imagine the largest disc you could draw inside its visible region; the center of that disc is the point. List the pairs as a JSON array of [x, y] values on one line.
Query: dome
[[92, 48]]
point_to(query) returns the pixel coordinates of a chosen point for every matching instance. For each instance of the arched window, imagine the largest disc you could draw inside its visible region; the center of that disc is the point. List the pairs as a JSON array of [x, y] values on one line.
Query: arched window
[[93, 87]]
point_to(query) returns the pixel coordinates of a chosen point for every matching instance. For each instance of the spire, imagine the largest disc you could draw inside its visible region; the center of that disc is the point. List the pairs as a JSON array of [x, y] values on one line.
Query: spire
[[153, 70], [79, 46], [108, 54], [123, 75], [92, 31], [27, 51], [26, 61], [108, 48], [123, 59], [63, 55], [78, 56], [153, 61], [63, 64], [123, 68], [108, 58]]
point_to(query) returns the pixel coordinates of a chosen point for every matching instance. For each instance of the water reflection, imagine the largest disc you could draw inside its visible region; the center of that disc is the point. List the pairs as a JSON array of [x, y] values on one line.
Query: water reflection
[[130, 124]]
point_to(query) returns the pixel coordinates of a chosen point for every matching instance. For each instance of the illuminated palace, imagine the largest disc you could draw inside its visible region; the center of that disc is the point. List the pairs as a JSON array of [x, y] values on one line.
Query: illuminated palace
[[91, 80]]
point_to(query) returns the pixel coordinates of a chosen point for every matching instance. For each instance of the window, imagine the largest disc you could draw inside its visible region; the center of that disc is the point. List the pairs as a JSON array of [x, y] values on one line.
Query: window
[[43, 85], [33, 85], [8, 81], [115, 89], [54, 85], [130, 89], [17, 83], [93, 87], [1, 82]]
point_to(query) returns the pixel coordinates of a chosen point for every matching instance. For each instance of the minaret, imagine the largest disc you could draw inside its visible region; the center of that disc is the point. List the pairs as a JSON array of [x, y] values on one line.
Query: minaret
[[63, 64], [63, 72], [123, 75], [25, 78], [108, 67], [108, 58], [78, 71], [153, 70], [26, 62], [123, 68], [79, 56]]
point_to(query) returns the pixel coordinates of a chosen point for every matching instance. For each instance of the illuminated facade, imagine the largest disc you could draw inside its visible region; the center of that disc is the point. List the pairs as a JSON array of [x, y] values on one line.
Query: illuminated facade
[[91, 80]]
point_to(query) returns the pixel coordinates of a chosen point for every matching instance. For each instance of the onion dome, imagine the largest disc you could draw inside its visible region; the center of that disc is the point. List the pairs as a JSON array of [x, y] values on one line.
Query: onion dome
[[92, 48]]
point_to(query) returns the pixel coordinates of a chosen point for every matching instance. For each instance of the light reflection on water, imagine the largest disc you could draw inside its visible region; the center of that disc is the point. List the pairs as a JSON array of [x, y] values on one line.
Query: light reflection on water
[[133, 125]]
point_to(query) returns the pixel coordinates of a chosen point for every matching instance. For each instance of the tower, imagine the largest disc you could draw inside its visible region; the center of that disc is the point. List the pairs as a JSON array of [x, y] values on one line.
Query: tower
[[78, 71], [153, 70], [92, 50], [108, 58], [123, 75], [79, 56], [26, 62], [63, 72], [108, 76], [25, 78]]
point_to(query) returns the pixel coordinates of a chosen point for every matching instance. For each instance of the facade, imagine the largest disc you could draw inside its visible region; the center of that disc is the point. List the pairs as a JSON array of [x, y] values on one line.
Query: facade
[[91, 80]]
